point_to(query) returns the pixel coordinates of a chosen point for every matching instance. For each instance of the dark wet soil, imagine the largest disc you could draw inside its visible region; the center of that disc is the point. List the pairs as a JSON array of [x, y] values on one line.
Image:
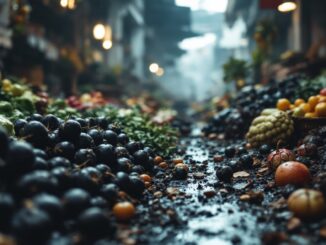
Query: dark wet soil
[[203, 210]]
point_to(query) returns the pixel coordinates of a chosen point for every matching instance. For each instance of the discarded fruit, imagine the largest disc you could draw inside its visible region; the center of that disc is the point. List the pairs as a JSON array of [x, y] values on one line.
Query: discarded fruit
[[280, 156], [124, 211], [307, 203], [292, 172]]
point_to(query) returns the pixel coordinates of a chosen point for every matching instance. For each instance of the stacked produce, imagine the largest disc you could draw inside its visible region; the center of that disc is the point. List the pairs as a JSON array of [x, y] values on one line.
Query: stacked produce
[[77, 175], [235, 121], [17, 100], [140, 127], [87, 101], [314, 107]]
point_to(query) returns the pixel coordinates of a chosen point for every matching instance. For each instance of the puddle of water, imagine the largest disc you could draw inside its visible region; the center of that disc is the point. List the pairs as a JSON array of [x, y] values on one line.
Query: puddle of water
[[221, 228], [224, 222]]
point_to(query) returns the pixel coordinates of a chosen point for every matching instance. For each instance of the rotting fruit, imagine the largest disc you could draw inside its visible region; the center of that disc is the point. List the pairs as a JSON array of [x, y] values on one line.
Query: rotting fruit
[[307, 203]]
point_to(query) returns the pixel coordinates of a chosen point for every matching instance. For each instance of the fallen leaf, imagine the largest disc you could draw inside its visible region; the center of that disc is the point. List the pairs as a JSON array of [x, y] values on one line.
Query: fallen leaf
[[241, 174], [293, 223], [280, 203], [172, 191], [262, 171], [256, 162], [253, 197], [224, 190], [245, 197]]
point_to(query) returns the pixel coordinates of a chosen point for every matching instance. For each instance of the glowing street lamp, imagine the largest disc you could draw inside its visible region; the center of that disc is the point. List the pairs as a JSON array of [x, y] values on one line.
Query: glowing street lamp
[[287, 6], [154, 67], [107, 44], [70, 4], [160, 72], [99, 31], [64, 3]]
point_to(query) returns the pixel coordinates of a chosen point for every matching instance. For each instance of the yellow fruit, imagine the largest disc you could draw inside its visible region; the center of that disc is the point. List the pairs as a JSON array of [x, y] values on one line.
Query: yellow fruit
[[322, 99], [306, 107], [310, 115], [313, 101], [298, 112], [298, 102], [6, 85], [283, 104], [292, 107], [320, 109], [17, 90]]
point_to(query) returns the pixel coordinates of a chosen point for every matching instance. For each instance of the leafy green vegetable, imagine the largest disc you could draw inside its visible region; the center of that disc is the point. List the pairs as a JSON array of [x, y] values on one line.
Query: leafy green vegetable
[[61, 109], [7, 125], [161, 138], [309, 87]]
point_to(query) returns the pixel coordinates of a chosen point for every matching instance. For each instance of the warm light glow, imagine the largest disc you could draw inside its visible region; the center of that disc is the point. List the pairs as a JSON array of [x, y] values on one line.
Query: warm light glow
[[64, 3], [99, 31], [287, 6], [212, 6], [154, 68], [71, 4], [160, 72], [107, 44], [108, 32]]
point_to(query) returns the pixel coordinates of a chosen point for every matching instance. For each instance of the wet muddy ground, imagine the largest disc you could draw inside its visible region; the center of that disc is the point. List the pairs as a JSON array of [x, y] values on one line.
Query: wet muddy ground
[[204, 210]]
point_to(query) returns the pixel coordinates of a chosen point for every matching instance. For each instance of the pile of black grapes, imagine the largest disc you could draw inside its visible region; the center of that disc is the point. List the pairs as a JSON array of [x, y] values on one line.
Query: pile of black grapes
[[235, 121], [62, 178]]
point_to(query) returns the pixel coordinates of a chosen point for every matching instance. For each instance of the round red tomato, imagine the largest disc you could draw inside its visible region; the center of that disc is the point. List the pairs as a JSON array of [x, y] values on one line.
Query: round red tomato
[[323, 92]]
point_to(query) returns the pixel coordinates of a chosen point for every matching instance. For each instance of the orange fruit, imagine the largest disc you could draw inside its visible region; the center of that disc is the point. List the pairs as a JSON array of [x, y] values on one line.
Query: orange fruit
[[320, 109], [306, 107], [310, 115], [124, 211], [292, 107], [283, 104], [323, 92], [322, 99], [298, 102], [313, 101]]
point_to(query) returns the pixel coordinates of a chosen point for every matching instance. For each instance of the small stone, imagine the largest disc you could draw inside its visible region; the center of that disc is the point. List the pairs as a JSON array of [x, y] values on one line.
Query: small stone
[[158, 194], [199, 175], [209, 193], [218, 158], [163, 165], [178, 160]]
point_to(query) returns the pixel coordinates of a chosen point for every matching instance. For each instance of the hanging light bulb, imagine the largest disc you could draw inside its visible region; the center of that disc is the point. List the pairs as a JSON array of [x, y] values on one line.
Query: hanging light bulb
[[287, 6], [107, 44], [99, 31], [64, 3], [154, 67]]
